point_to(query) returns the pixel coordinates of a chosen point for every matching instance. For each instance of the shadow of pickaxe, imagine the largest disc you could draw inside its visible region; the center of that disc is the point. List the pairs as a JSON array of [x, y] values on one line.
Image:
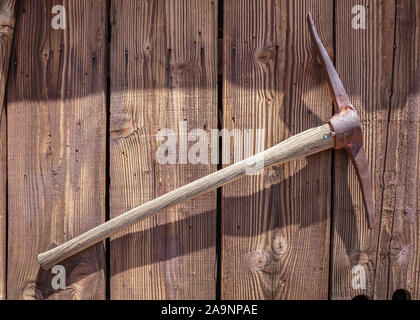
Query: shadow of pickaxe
[[343, 131]]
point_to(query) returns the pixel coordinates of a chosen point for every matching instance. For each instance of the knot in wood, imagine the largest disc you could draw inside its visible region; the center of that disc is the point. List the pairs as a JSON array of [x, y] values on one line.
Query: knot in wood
[[257, 260], [389, 178], [357, 257], [83, 274], [401, 254], [183, 67], [410, 214], [46, 54], [265, 54], [32, 292], [147, 50], [148, 47], [279, 246]]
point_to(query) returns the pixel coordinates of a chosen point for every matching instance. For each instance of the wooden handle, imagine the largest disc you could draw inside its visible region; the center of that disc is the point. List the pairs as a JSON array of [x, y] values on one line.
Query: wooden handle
[[303, 144]]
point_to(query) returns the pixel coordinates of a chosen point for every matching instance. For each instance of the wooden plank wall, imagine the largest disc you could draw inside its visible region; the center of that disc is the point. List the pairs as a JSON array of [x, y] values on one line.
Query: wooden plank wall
[[163, 72], [379, 67], [400, 224], [276, 225], [364, 60], [56, 146], [135, 68], [7, 24]]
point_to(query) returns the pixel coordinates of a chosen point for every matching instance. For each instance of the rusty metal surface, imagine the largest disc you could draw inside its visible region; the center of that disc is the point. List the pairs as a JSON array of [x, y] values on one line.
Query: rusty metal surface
[[346, 125], [347, 128]]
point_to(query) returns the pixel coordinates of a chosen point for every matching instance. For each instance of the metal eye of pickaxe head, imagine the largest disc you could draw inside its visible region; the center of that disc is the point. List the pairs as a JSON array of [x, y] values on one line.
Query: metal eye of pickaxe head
[[343, 131]]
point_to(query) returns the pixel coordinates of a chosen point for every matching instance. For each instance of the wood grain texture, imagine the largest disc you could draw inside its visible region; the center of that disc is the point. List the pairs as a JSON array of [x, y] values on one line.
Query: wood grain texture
[[275, 226], [364, 59], [3, 205], [399, 237], [7, 25], [163, 71], [56, 146]]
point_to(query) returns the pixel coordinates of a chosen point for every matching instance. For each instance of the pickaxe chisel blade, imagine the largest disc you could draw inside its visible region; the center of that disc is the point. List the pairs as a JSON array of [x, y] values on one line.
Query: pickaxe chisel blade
[[342, 131], [346, 124]]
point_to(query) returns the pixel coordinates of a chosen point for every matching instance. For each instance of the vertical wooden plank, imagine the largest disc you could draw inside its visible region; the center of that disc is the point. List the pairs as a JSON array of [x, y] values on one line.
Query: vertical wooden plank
[[364, 59], [276, 225], [56, 146], [400, 228], [7, 25], [3, 203], [163, 71]]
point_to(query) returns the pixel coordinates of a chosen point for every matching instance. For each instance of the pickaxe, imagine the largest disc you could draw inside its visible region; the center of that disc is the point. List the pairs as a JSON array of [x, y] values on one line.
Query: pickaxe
[[343, 131]]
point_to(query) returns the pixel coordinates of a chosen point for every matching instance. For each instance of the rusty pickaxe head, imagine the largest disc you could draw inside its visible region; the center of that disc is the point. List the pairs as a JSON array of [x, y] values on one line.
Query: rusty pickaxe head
[[346, 125]]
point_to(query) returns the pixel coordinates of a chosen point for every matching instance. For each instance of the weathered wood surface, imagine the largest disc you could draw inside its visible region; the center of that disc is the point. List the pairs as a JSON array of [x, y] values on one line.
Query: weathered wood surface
[[364, 63], [7, 25], [276, 226], [163, 71], [3, 205], [399, 237], [56, 146], [383, 83]]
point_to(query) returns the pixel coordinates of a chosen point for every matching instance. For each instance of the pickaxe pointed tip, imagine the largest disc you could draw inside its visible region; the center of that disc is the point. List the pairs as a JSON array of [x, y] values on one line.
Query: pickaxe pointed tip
[[346, 124], [309, 16]]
